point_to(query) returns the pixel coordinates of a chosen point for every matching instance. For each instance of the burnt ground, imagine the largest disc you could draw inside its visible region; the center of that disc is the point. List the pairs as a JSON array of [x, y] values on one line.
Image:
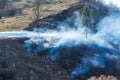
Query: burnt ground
[[17, 64]]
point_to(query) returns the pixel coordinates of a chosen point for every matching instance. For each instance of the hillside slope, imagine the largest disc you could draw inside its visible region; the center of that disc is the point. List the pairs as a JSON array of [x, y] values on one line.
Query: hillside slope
[[21, 21], [17, 64]]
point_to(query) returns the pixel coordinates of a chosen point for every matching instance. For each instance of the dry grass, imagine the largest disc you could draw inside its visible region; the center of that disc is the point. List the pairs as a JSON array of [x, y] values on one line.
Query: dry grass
[[21, 21], [102, 77]]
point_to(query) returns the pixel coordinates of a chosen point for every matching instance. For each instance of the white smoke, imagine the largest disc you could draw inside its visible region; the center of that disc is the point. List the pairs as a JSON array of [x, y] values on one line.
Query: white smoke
[[109, 29], [113, 2], [108, 32]]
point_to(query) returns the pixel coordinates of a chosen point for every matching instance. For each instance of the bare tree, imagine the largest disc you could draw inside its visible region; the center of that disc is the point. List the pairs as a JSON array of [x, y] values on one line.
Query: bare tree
[[37, 10]]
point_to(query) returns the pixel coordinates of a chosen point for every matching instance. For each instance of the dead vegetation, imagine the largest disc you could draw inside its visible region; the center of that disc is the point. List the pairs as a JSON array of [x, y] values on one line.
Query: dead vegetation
[[103, 77]]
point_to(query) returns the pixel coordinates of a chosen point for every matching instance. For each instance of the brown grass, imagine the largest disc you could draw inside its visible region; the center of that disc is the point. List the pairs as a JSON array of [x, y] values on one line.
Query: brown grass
[[22, 21]]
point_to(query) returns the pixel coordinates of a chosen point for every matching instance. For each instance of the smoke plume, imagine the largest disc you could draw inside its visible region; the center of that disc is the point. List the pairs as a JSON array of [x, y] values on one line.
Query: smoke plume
[[101, 47]]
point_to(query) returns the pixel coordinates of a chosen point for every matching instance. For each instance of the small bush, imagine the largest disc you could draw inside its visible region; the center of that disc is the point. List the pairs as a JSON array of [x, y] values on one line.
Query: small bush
[[6, 9], [9, 11]]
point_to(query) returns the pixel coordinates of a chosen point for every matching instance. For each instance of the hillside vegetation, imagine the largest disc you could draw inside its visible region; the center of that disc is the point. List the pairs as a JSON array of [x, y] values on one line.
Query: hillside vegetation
[[21, 21]]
